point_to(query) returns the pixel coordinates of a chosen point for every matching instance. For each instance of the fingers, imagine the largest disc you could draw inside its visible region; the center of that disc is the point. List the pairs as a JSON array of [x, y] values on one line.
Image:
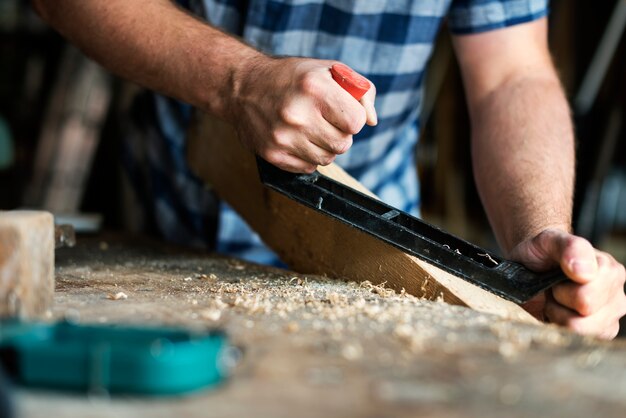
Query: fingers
[[602, 325], [287, 145], [593, 301], [318, 122], [289, 162], [583, 299], [340, 109], [308, 135], [314, 154], [345, 116], [296, 116], [360, 89], [335, 143], [586, 298], [592, 308], [368, 103]]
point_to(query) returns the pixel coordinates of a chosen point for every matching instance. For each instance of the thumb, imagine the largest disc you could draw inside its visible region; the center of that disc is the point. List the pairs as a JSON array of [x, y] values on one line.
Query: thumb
[[575, 255]]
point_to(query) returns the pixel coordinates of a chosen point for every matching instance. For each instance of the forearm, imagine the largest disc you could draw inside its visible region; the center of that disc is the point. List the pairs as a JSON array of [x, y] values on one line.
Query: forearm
[[523, 156], [157, 45]]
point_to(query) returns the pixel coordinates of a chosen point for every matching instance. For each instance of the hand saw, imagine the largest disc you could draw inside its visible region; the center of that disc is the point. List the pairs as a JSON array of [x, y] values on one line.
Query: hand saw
[[463, 259]]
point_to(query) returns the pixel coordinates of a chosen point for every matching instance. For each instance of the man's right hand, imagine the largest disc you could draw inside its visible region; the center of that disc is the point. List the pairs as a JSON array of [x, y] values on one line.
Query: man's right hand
[[293, 114]]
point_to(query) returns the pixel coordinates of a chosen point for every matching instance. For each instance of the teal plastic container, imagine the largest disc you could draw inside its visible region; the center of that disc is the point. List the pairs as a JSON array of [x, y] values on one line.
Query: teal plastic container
[[151, 361]]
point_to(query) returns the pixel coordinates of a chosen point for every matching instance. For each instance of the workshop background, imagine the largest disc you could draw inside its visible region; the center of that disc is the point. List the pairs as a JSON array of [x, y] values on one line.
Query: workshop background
[[64, 120]]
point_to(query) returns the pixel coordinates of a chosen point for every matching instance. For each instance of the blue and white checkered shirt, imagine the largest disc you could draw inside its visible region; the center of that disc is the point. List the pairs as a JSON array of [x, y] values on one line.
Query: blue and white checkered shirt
[[388, 41]]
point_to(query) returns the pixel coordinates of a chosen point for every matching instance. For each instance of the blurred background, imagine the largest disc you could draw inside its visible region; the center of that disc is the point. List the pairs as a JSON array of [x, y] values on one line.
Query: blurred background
[[64, 122]]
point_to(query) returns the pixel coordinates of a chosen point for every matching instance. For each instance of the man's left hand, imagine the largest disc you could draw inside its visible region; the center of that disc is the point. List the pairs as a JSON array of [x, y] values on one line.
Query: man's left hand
[[592, 301]]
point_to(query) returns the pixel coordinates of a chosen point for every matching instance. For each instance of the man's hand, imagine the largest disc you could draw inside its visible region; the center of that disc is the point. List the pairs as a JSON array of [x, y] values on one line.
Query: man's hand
[[523, 154], [593, 301], [293, 114], [290, 111]]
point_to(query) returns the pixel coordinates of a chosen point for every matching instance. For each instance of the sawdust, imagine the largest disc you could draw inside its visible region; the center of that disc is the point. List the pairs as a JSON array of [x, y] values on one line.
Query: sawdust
[[342, 341], [301, 304], [251, 301]]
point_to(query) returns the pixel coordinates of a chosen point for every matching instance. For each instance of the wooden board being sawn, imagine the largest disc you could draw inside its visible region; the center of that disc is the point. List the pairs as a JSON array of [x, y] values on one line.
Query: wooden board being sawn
[[311, 242]]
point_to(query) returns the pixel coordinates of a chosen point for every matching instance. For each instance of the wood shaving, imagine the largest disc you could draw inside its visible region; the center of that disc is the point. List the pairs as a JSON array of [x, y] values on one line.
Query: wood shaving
[[237, 265], [117, 296], [352, 351], [292, 327], [298, 281], [378, 289], [489, 257], [202, 276], [211, 314]]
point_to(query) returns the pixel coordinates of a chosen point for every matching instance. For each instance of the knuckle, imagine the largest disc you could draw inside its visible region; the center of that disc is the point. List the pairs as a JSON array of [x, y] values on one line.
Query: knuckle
[[345, 145], [356, 122], [274, 157], [327, 159], [281, 138], [337, 144], [585, 303], [605, 260], [562, 292], [290, 115], [308, 168], [576, 243], [309, 83], [287, 163], [341, 145]]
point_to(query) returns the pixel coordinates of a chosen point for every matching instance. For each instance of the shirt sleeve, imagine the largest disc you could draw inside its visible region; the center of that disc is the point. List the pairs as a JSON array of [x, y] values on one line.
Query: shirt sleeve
[[473, 16]]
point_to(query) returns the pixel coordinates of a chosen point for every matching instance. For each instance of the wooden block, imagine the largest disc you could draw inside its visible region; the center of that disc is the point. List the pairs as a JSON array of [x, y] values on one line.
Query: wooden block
[[311, 242], [26, 263]]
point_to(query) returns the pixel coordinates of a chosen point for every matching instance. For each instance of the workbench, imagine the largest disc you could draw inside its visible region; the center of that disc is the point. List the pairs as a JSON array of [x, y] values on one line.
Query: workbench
[[311, 346]]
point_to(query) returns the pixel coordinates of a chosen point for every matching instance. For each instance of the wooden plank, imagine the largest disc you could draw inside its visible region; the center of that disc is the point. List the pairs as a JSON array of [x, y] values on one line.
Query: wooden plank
[[310, 242], [26, 263]]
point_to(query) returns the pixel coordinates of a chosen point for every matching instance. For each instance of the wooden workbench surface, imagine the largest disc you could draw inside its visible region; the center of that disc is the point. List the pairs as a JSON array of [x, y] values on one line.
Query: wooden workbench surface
[[313, 347]]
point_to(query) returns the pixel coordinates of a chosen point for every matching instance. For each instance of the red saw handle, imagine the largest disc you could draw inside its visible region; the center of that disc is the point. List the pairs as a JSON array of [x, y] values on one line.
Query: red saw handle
[[351, 81]]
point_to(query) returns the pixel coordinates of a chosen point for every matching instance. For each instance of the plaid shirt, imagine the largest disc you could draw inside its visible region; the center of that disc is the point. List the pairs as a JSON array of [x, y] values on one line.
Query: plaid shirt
[[388, 41]]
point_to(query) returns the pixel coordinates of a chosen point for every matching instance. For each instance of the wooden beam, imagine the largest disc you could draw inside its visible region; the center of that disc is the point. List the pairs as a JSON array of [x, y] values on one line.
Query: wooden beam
[[311, 242]]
